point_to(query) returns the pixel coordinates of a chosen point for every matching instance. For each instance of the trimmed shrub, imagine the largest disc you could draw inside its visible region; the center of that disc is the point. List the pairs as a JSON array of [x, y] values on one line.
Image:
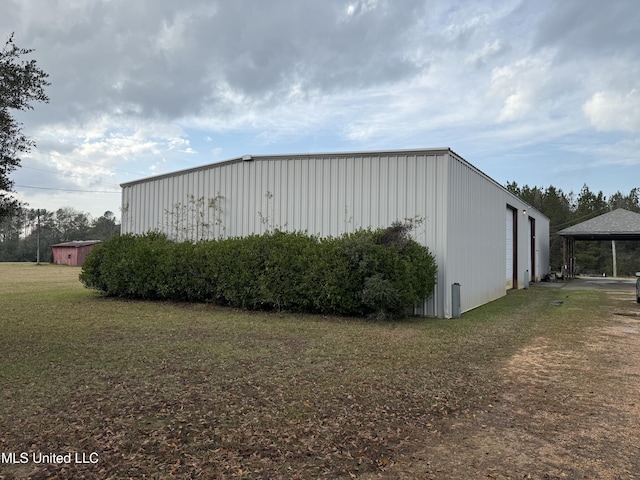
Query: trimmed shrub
[[333, 280], [380, 273], [283, 278], [92, 268], [127, 266]]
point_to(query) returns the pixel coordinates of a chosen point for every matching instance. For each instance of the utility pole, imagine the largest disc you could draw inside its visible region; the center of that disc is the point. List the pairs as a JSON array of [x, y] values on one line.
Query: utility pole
[[38, 239]]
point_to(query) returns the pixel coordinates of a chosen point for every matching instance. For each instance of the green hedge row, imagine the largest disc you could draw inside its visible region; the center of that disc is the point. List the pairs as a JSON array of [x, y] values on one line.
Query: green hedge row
[[382, 272]]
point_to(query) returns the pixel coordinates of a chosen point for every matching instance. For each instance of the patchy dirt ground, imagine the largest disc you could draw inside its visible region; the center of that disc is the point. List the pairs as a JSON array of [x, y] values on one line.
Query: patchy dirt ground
[[570, 410]]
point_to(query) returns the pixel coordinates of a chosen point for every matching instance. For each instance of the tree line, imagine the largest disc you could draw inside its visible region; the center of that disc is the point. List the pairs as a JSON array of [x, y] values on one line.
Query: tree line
[[568, 209], [20, 232], [26, 228]]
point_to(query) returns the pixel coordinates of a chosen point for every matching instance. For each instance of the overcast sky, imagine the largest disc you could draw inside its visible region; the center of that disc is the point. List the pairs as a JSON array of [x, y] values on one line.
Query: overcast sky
[[540, 92]]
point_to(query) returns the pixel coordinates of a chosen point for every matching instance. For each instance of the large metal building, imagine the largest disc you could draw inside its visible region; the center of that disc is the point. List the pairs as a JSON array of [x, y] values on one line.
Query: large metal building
[[483, 237]]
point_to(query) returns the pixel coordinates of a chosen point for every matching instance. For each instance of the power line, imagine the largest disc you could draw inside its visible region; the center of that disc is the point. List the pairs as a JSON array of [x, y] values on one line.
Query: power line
[[577, 220]]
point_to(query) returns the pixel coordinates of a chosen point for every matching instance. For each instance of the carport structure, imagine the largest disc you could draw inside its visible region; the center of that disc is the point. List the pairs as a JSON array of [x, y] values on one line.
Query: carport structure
[[618, 224]]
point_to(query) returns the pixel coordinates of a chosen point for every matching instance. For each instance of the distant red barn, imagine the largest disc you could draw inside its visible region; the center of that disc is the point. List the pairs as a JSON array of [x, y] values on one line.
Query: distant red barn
[[72, 253]]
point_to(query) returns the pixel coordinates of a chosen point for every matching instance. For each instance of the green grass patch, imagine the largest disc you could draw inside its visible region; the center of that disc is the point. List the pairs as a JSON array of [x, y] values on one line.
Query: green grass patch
[[167, 390]]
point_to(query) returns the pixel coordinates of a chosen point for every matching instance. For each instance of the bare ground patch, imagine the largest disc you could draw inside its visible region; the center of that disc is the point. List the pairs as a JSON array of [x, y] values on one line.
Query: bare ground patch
[[569, 409]]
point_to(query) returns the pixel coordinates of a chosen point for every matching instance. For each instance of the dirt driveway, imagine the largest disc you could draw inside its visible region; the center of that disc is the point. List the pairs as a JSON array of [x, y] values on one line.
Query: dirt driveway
[[569, 411], [599, 283]]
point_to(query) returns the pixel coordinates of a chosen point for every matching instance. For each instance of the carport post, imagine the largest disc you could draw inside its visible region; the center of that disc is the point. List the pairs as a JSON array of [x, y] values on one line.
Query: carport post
[[564, 258]]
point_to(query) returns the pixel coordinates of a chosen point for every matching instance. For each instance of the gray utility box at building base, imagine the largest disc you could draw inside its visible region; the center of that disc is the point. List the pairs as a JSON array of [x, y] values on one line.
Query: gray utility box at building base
[[455, 300]]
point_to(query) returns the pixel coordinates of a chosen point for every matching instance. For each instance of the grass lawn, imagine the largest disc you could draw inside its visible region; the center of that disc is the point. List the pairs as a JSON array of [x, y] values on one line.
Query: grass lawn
[[161, 390]]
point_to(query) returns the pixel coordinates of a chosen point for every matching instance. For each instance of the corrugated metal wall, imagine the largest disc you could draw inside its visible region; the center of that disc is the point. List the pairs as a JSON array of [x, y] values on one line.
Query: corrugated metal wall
[[541, 254], [477, 238], [462, 211], [323, 195]]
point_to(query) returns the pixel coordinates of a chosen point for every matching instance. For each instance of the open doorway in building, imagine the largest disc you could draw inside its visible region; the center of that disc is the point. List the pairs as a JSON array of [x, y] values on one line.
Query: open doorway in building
[[533, 254], [512, 248]]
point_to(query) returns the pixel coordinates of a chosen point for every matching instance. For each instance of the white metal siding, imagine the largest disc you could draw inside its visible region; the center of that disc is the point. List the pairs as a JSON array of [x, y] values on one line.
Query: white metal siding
[[477, 237], [476, 240], [542, 247], [462, 210]]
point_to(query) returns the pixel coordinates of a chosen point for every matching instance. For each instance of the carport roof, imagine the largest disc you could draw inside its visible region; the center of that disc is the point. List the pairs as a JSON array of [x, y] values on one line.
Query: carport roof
[[619, 224]]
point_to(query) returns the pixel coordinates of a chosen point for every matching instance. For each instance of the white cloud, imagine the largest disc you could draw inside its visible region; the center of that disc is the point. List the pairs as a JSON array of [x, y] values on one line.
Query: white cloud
[[519, 86], [163, 85], [118, 146], [358, 8], [609, 111], [180, 145], [485, 53]]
